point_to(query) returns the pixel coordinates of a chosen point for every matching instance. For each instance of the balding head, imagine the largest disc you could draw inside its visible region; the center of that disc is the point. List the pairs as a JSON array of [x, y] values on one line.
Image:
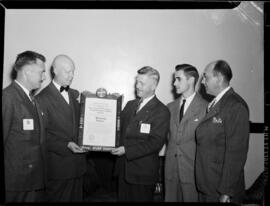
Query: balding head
[[63, 70], [217, 76]]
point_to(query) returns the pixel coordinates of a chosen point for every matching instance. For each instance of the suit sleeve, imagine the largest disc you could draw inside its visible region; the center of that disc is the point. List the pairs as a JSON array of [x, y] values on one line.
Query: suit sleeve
[[155, 140], [7, 115], [54, 142], [236, 148], [58, 146]]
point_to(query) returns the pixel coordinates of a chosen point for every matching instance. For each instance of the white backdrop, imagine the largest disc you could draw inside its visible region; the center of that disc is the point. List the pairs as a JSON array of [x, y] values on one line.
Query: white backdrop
[[109, 46]]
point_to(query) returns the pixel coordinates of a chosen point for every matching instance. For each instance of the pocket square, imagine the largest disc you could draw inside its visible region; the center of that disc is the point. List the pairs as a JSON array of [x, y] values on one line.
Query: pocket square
[[217, 120], [196, 120]]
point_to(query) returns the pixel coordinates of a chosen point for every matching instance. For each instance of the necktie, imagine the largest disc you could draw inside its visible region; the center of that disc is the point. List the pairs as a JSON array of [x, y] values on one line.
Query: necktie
[[138, 106], [211, 105], [31, 95], [182, 110], [64, 88]]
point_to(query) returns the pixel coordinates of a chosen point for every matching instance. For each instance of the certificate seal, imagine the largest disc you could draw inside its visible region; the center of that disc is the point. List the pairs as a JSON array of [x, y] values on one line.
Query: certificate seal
[[101, 92]]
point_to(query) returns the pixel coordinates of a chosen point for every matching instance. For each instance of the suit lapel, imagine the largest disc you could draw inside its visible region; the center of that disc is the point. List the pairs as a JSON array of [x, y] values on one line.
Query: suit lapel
[[40, 122], [218, 106], [31, 107], [143, 113], [176, 111], [191, 110], [73, 111], [58, 97], [23, 96]]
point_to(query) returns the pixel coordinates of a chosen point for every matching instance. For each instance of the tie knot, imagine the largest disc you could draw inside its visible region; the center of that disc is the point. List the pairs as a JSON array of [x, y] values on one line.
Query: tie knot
[[64, 88]]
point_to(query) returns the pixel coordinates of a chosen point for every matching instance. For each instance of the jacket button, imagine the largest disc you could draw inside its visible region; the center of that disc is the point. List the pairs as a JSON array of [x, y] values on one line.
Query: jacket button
[[30, 166], [175, 155]]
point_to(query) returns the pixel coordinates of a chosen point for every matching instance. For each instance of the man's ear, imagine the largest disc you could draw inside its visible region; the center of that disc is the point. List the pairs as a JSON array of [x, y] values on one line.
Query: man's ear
[[191, 80], [220, 78]]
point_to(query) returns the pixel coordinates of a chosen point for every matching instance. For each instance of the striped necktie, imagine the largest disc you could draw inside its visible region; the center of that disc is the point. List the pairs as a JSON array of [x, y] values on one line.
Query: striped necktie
[[211, 105]]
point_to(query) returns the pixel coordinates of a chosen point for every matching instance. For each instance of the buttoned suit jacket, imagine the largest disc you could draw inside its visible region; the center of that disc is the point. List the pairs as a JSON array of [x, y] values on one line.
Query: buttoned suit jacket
[[222, 146], [140, 163], [181, 146], [24, 149], [61, 127]]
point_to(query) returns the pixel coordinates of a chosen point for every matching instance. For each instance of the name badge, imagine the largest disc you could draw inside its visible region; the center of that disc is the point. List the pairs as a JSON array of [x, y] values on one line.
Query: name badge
[[145, 128], [28, 124]]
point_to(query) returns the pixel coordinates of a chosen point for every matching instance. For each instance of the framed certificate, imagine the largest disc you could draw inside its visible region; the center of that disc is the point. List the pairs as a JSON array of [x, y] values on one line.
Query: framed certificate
[[99, 128]]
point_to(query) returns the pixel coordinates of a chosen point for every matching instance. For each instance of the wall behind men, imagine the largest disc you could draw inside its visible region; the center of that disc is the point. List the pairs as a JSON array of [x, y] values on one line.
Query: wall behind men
[[109, 46]]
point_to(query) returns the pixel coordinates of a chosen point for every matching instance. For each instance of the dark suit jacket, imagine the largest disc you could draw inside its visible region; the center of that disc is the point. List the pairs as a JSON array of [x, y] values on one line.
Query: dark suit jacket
[[181, 147], [140, 162], [222, 146], [62, 123], [23, 149]]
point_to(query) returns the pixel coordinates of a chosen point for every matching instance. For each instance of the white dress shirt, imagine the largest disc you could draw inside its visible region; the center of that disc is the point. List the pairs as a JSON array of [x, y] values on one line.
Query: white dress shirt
[[218, 97], [64, 93], [188, 101]]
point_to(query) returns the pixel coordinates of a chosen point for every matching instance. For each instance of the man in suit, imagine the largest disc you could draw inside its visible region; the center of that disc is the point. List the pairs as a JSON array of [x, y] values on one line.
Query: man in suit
[[66, 161], [222, 139], [144, 127], [23, 131], [186, 113]]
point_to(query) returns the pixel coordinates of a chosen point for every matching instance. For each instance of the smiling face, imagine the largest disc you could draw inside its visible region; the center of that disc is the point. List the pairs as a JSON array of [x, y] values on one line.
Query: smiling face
[[145, 85]]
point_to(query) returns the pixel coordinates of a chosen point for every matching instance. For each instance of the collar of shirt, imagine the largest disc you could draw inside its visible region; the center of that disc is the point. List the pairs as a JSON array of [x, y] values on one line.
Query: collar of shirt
[[63, 93], [26, 91], [220, 95], [57, 86], [145, 101], [188, 101]]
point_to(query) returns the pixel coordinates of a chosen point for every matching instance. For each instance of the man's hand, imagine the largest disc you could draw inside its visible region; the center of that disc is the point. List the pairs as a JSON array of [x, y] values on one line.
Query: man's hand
[[224, 198], [75, 148], [118, 151]]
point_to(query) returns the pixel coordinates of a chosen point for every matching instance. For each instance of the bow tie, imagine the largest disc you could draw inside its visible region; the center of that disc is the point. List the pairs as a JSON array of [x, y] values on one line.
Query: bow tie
[[64, 88]]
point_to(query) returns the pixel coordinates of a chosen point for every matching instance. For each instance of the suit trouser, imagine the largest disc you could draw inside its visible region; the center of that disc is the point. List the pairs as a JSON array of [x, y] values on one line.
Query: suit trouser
[[66, 190], [29, 196], [134, 192], [175, 191]]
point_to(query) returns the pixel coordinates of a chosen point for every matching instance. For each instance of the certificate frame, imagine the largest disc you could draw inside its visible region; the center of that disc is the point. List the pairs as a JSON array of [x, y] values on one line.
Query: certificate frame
[[98, 111]]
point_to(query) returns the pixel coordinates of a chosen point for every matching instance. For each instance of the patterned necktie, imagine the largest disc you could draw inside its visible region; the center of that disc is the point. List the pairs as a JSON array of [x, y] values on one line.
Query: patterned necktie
[[211, 105], [182, 110], [32, 97], [138, 106]]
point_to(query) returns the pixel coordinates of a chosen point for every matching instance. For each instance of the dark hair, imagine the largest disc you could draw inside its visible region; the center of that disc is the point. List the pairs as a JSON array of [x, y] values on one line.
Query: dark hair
[[224, 69], [52, 72], [150, 71], [24, 58], [189, 71]]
